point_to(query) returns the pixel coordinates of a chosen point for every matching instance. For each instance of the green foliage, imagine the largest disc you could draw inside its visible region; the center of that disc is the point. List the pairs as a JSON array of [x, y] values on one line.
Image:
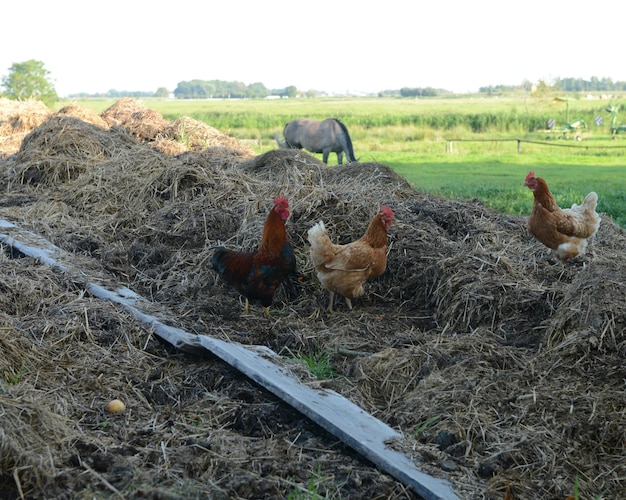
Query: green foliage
[[118, 94], [425, 425], [499, 89], [464, 116], [595, 84], [543, 89], [418, 92], [13, 377], [317, 481], [309, 494], [576, 488], [290, 91], [257, 91], [499, 183], [29, 80], [319, 363], [204, 89]]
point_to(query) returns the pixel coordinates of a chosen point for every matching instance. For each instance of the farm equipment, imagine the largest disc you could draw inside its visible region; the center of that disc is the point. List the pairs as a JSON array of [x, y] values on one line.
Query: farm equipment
[[575, 129], [615, 128], [572, 130]]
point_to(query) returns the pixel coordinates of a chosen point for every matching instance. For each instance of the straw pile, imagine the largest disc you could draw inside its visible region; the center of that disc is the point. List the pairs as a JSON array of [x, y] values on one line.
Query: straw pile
[[504, 368], [16, 120]]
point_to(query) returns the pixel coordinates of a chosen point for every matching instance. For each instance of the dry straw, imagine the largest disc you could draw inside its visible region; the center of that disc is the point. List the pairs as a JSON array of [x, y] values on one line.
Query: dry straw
[[503, 367]]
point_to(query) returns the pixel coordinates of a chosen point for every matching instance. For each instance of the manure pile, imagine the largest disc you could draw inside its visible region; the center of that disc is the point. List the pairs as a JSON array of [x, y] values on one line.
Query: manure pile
[[503, 368]]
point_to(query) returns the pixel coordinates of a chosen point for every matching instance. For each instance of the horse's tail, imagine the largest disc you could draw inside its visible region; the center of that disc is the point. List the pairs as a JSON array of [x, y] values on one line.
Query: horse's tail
[[289, 142], [348, 142], [282, 144]]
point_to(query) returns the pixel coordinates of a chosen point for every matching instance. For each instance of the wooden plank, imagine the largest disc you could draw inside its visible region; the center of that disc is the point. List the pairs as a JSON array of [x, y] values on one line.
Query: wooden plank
[[339, 416], [354, 426]]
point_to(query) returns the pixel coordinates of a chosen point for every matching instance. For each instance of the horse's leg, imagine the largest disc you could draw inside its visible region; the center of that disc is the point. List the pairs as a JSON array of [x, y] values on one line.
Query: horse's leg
[[325, 156], [339, 157]]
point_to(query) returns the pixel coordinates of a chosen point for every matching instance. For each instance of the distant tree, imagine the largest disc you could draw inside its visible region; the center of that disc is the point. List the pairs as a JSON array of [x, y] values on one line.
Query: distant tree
[[418, 92], [291, 91], [237, 90], [497, 90], [257, 91], [162, 92], [29, 80], [543, 89], [194, 89], [220, 89], [128, 93], [594, 85]]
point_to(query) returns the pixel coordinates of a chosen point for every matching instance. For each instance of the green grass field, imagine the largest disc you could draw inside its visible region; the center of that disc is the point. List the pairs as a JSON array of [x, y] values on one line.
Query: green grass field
[[460, 148]]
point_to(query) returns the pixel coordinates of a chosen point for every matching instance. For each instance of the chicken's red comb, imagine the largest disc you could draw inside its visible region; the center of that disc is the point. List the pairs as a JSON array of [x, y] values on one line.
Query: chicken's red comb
[[281, 200], [530, 175], [387, 211]]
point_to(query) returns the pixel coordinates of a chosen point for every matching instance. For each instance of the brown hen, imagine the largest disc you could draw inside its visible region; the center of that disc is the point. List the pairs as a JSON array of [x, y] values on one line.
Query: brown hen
[[343, 269], [564, 230]]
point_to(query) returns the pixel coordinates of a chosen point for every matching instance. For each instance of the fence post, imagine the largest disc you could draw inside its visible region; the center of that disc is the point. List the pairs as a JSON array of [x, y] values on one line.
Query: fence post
[[519, 146], [449, 146]]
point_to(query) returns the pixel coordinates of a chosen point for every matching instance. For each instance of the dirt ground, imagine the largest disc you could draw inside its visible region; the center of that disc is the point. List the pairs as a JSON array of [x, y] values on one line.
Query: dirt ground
[[502, 368]]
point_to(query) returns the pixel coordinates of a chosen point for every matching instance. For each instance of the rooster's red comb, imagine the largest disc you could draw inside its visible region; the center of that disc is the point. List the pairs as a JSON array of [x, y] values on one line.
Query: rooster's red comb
[[282, 201], [530, 175], [387, 211]]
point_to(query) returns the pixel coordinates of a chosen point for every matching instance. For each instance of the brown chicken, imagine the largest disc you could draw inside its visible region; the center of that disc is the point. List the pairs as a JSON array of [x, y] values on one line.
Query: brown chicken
[[566, 231], [256, 275], [343, 269]]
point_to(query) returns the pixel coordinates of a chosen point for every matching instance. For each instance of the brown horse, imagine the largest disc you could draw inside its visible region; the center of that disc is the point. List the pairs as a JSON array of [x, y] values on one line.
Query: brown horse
[[324, 137]]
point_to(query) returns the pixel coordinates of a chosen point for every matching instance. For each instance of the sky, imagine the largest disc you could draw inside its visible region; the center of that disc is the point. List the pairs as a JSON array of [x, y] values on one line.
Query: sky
[[326, 45]]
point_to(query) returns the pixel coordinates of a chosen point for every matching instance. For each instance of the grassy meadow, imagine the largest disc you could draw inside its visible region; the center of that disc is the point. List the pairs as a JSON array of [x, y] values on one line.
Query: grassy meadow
[[462, 147]]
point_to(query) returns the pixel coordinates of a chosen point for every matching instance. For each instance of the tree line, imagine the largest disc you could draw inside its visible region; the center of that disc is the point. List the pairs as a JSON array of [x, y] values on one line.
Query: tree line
[[421, 92], [30, 79], [203, 89], [594, 84], [220, 89]]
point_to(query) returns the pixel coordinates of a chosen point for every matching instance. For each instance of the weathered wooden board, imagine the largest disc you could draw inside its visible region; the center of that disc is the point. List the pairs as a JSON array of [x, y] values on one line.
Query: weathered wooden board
[[355, 427]]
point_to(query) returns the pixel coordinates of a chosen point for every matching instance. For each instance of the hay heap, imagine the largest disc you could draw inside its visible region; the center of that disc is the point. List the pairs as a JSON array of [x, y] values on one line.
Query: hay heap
[[504, 368], [18, 118]]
